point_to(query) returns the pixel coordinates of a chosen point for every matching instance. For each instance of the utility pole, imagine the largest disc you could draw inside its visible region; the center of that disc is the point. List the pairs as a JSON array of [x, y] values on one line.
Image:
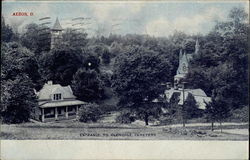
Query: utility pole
[[183, 100]]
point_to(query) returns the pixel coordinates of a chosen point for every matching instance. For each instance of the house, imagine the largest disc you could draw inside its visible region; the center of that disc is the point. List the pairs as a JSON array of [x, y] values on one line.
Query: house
[[56, 102]]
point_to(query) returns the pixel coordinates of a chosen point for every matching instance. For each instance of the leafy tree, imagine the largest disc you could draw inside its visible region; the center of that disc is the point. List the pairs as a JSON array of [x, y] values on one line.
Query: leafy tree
[[190, 108], [98, 48], [189, 45], [183, 112], [7, 33], [106, 57], [17, 60], [137, 79], [75, 38], [240, 115], [87, 85], [217, 110], [61, 63], [91, 61], [17, 99], [90, 113], [36, 38], [223, 62]]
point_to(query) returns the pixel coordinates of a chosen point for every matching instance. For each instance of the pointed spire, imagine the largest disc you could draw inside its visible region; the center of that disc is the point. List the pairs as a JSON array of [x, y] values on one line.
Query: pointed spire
[[180, 55], [197, 47], [185, 56], [57, 26]]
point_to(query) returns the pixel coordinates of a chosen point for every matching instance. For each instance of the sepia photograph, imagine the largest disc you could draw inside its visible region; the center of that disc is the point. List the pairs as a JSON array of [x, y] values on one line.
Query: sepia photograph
[[124, 70]]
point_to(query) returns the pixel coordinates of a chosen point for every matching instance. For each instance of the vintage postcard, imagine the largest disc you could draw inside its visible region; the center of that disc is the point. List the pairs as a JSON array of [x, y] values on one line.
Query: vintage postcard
[[144, 73]]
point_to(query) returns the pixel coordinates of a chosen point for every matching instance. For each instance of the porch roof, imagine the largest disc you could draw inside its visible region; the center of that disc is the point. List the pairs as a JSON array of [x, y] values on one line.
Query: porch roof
[[62, 103]]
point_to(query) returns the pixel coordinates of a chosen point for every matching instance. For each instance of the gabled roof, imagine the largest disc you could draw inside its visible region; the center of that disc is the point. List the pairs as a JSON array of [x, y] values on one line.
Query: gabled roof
[[49, 89], [199, 96], [57, 26]]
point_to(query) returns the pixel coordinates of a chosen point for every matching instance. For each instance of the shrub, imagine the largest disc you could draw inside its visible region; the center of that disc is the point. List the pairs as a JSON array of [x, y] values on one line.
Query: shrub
[[108, 108], [125, 117], [90, 113], [240, 115], [166, 119]]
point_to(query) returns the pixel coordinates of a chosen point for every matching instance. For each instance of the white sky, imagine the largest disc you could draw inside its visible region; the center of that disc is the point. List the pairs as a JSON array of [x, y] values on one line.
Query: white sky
[[153, 18]]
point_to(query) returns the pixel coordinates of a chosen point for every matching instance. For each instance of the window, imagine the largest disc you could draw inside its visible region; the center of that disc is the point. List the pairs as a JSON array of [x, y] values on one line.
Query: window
[[57, 97]]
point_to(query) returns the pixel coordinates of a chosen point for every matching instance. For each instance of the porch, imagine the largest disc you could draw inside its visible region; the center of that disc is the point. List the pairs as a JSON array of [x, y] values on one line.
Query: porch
[[59, 113]]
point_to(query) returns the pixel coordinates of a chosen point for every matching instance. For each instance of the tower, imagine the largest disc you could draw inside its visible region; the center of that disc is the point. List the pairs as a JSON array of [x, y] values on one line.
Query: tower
[[180, 56], [197, 47], [56, 34]]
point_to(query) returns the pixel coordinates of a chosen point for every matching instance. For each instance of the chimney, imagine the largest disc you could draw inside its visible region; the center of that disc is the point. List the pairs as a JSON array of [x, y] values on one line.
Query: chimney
[[49, 82]]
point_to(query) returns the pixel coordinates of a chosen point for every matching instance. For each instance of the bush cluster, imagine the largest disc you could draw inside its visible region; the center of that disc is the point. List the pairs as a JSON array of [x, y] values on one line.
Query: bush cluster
[[125, 117], [90, 113]]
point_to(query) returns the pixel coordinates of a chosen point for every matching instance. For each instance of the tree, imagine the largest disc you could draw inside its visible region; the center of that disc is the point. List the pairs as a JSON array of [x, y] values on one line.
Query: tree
[[7, 33], [106, 57], [61, 63], [223, 62], [217, 110], [137, 79], [36, 38], [75, 38], [90, 113], [87, 85], [190, 107], [17, 99], [17, 60], [91, 61]]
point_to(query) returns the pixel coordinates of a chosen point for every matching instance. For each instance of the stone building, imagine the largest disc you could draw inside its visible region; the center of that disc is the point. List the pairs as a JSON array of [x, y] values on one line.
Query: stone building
[[184, 61], [184, 67]]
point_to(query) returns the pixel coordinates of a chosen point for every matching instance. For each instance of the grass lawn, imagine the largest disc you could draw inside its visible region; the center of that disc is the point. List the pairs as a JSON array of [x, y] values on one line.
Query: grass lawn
[[70, 130]]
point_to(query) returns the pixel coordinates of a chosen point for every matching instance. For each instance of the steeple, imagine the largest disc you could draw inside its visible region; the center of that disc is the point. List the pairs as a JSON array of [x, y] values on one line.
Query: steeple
[[57, 26], [197, 47], [180, 56], [56, 34]]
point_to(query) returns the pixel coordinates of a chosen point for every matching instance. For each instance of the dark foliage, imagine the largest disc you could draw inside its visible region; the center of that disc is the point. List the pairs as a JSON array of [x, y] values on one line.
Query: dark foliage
[[17, 99], [60, 64], [87, 85], [7, 34], [125, 117], [137, 79], [90, 113]]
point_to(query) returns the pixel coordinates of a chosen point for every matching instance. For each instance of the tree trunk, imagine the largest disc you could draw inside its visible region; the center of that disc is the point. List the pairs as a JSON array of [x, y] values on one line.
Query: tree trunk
[[212, 126], [146, 119]]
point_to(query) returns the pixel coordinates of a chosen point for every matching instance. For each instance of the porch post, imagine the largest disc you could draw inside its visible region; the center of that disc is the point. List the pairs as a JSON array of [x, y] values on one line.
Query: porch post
[[42, 114], [66, 112], [77, 112], [56, 114]]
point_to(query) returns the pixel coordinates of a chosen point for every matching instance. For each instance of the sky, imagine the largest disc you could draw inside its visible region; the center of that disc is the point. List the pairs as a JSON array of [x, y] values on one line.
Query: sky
[[158, 18]]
